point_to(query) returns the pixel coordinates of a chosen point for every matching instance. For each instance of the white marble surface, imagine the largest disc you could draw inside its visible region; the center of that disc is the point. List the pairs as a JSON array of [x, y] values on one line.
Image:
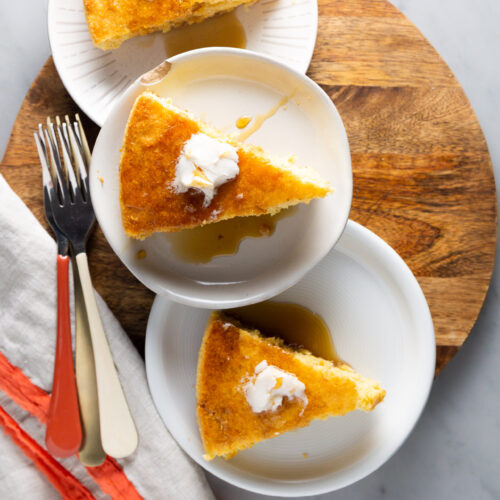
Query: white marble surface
[[454, 450]]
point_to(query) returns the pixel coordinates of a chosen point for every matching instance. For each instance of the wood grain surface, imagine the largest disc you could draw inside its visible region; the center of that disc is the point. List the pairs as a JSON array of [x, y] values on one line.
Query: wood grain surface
[[422, 173]]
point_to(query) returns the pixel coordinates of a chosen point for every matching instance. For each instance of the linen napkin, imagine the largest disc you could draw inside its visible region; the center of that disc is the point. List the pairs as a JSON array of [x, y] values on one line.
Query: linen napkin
[[157, 470]]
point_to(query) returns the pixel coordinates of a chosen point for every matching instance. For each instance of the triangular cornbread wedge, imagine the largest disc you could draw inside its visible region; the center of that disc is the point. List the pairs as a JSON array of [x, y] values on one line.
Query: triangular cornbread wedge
[[111, 22], [155, 135], [228, 357]]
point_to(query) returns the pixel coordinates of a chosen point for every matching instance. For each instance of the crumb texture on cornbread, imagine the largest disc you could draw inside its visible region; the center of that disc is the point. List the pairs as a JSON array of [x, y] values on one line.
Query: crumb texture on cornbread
[[111, 22], [154, 137], [228, 356]]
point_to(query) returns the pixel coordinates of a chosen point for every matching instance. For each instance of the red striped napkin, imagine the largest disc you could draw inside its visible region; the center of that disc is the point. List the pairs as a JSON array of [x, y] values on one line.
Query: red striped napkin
[[157, 470]]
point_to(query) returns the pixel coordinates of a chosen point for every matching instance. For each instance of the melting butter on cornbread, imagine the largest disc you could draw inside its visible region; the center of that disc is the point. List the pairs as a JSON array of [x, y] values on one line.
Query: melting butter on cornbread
[[230, 419], [155, 198]]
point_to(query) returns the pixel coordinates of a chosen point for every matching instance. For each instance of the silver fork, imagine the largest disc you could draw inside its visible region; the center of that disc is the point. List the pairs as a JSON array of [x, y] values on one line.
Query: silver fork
[[73, 213]]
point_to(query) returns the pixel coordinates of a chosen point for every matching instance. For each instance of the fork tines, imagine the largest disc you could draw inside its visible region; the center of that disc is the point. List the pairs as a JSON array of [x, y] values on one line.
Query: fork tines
[[65, 157]]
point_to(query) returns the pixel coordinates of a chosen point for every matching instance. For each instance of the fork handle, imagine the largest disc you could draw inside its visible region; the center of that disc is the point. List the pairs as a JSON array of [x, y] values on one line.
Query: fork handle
[[91, 453], [64, 432], [118, 433]]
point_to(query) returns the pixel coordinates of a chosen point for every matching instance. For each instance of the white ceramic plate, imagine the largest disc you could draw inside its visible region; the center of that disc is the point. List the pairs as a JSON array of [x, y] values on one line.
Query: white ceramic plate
[[219, 85], [96, 79], [380, 324]]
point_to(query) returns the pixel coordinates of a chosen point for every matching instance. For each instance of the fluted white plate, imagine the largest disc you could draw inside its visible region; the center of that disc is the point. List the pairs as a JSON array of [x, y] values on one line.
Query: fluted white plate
[[380, 324], [283, 29]]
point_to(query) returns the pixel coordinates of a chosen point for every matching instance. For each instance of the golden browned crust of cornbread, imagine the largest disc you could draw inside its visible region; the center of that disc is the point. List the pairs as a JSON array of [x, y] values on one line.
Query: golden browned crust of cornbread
[[111, 22], [154, 137], [228, 356]]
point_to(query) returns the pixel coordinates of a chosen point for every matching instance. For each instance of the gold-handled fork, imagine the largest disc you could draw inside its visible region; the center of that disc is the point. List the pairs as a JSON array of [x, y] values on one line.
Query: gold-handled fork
[[74, 216], [91, 452]]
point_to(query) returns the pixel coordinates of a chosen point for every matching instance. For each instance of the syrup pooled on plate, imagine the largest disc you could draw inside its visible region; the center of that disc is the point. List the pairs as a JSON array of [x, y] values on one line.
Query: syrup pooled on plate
[[295, 324], [243, 121], [220, 31], [202, 244]]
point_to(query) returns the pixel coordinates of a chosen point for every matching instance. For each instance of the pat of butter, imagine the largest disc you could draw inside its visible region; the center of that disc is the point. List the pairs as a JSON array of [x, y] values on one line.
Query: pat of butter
[[205, 164], [269, 385]]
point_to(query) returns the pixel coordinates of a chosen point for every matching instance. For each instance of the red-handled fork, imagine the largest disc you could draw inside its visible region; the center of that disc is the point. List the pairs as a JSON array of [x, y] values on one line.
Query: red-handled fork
[[64, 433]]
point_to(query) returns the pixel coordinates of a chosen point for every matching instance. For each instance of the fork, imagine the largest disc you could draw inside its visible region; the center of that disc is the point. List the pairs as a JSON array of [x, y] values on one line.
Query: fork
[[73, 214], [91, 453], [64, 434]]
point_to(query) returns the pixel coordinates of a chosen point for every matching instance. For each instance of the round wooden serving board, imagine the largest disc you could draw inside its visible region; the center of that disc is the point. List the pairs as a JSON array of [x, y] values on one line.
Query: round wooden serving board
[[422, 173]]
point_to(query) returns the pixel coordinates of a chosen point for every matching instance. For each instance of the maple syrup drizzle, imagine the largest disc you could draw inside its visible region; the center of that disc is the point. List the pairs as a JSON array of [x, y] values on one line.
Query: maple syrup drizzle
[[219, 31], [202, 244], [243, 121], [259, 120], [295, 324]]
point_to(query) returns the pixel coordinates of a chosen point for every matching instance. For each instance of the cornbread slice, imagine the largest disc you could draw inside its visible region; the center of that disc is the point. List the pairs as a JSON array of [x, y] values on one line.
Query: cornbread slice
[[154, 137], [228, 357], [111, 22]]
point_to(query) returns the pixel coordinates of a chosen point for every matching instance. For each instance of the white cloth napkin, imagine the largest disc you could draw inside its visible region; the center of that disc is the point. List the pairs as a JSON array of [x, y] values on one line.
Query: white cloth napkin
[[158, 469]]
